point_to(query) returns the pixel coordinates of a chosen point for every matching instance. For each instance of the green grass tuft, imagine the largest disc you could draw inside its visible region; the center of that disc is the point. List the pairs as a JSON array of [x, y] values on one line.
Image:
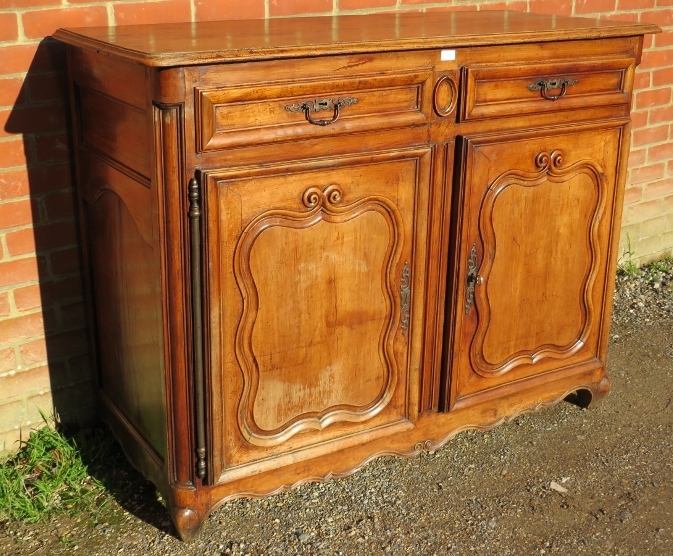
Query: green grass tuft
[[48, 475]]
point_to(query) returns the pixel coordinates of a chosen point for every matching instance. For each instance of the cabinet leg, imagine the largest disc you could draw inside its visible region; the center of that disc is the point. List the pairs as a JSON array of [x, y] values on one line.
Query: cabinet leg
[[188, 522], [591, 398]]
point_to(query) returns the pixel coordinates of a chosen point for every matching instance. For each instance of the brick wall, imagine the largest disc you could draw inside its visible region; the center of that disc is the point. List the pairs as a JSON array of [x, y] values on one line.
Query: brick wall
[[43, 345]]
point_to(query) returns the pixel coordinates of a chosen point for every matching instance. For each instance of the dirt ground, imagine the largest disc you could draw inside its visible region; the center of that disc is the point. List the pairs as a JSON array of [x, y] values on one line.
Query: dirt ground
[[561, 481]]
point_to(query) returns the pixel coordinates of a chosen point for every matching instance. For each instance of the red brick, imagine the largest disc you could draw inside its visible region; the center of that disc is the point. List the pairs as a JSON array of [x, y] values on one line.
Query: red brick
[[14, 184], [650, 135], [8, 4], [299, 7], [361, 4], [39, 407], [26, 326], [668, 204], [17, 213], [669, 167], [463, 8], [25, 382], [65, 261], [33, 119], [657, 97], [410, 2], [664, 38], [9, 27], [61, 290], [626, 16], [556, 7], [11, 91], [28, 297], [16, 59], [11, 440], [648, 41], [22, 270], [660, 152], [7, 360], [52, 148], [12, 153], [41, 238], [643, 211], [647, 173], [658, 17], [36, 180], [658, 189], [633, 195], [662, 77], [47, 86], [643, 80], [49, 55], [207, 10], [639, 119], [634, 4], [659, 115], [74, 404], [43, 23], [637, 158], [34, 352], [60, 205], [664, 2], [4, 304], [58, 345], [171, 11], [657, 59], [518, 6], [73, 316], [594, 6], [12, 414]]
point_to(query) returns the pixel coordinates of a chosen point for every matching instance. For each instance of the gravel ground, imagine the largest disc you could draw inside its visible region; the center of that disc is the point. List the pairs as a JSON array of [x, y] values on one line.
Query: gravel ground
[[561, 481]]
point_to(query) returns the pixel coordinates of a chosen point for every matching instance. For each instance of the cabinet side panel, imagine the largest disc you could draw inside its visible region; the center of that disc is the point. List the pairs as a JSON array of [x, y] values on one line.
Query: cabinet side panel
[[119, 224], [126, 296]]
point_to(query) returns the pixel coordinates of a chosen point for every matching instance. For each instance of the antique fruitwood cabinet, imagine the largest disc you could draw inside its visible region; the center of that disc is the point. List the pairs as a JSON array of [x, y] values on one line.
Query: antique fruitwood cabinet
[[314, 241]]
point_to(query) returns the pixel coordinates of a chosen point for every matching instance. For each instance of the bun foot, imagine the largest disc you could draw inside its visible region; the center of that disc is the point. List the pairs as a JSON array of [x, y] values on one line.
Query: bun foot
[[590, 398], [187, 522]]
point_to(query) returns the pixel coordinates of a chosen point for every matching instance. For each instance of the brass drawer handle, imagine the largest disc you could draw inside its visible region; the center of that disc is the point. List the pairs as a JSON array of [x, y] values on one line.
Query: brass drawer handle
[[472, 278], [319, 104], [546, 85], [405, 297]]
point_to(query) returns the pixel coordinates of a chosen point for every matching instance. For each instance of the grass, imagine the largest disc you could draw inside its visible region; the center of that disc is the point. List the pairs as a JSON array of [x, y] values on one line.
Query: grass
[[627, 266], [50, 475]]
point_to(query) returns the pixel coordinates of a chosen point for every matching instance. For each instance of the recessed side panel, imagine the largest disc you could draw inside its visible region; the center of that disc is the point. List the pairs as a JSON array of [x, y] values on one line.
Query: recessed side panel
[[127, 297]]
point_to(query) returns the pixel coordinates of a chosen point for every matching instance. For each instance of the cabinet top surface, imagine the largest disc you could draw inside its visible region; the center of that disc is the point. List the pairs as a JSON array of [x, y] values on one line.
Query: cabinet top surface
[[177, 44]]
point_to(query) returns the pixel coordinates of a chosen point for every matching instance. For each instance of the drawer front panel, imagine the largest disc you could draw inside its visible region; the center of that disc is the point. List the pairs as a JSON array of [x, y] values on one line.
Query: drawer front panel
[[250, 115], [508, 89]]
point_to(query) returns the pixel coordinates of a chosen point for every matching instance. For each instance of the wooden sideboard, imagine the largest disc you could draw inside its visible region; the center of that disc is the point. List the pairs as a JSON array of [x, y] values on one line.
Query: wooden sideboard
[[314, 241]]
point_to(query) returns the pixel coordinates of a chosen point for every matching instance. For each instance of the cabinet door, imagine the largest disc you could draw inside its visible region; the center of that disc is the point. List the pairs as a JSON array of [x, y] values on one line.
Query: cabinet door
[[313, 287], [533, 256]]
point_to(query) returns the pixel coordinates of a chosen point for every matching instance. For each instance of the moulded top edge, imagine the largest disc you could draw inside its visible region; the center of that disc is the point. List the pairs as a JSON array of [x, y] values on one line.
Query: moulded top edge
[[179, 44]]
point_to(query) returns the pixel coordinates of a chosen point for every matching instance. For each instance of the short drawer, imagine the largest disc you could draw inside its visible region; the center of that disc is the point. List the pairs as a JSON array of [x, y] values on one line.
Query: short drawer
[[247, 115], [514, 89]]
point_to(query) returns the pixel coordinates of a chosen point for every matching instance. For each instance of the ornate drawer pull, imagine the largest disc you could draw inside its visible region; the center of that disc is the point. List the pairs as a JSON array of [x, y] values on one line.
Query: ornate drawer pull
[[319, 104], [405, 297], [545, 85], [472, 278]]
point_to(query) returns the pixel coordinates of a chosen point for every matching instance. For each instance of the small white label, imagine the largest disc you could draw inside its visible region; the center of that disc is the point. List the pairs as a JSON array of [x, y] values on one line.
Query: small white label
[[447, 55]]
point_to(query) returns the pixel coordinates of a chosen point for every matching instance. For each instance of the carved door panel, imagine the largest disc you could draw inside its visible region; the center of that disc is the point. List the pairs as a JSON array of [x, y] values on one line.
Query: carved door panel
[[532, 257], [313, 300]]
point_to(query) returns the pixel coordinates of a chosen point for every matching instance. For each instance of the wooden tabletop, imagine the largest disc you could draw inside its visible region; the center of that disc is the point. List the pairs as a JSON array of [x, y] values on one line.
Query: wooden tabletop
[[166, 45]]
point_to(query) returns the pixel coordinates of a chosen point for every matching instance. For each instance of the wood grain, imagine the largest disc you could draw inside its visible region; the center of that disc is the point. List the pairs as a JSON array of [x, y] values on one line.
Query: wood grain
[[227, 41], [337, 258]]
